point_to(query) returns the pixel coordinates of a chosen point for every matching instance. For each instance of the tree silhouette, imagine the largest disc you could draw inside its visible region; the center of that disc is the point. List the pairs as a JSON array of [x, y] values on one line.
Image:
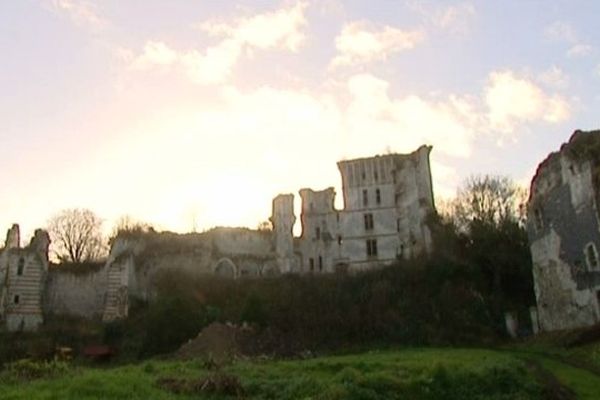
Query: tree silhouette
[[76, 236]]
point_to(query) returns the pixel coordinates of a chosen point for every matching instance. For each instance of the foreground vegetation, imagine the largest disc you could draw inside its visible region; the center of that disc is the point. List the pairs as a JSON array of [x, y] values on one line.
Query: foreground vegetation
[[414, 373]]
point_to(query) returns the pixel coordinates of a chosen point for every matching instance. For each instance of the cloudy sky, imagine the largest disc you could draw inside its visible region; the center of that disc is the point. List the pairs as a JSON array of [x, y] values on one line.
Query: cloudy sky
[[197, 112]]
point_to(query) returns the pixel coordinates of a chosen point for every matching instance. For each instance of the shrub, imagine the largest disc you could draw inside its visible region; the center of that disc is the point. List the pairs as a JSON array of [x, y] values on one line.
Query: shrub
[[26, 370]]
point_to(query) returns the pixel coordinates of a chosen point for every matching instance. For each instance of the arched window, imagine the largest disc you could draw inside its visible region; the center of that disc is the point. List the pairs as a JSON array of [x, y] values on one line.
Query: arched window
[[225, 268]]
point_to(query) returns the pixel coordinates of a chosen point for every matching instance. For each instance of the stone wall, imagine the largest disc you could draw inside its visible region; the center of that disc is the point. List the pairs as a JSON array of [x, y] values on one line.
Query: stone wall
[[564, 236], [76, 293]]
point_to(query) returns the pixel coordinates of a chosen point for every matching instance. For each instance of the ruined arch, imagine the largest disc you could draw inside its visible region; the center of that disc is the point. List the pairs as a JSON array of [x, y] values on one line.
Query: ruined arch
[[271, 269], [225, 268]]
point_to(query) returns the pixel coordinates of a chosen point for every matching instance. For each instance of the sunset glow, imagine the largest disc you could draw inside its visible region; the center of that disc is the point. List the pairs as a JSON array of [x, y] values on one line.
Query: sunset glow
[[190, 115]]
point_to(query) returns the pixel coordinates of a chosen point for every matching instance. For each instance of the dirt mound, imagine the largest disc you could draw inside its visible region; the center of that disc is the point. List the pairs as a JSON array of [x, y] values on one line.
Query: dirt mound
[[219, 343]]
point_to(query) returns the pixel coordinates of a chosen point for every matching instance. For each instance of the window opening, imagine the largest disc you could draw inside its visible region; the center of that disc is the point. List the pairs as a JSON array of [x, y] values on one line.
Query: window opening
[[371, 247], [21, 266], [591, 255], [368, 221]]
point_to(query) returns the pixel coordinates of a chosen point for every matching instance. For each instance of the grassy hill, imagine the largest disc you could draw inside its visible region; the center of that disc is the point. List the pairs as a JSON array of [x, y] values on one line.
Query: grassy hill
[[389, 374]]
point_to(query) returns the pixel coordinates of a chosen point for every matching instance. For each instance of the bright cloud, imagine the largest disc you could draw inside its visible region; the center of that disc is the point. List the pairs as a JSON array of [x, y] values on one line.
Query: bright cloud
[[155, 53], [360, 43], [580, 50], [555, 78], [564, 32], [405, 123], [277, 29], [215, 65], [512, 99], [82, 13], [280, 29]]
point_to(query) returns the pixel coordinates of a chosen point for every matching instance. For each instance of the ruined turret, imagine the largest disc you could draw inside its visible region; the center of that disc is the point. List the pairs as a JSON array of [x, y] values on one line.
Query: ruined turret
[[13, 237], [283, 220], [564, 234]]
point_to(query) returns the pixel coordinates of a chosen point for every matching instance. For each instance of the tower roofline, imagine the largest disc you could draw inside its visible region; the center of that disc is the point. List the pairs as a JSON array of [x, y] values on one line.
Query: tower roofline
[[390, 155]]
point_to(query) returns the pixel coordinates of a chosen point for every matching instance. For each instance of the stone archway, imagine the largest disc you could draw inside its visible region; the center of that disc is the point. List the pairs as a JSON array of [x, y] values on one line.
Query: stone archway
[[271, 269], [225, 268]]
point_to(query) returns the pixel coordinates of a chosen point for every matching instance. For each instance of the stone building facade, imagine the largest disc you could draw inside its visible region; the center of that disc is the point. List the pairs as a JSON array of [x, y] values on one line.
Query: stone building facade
[[386, 203], [387, 200], [564, 234], [23, 273]]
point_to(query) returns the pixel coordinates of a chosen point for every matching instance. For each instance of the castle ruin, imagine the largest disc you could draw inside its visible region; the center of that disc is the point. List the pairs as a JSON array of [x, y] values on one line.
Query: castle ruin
[[387, 200], [564, 234]]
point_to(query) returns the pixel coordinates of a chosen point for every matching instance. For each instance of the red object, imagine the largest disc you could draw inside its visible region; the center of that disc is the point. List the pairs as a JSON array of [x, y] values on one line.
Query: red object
[[98, 352]]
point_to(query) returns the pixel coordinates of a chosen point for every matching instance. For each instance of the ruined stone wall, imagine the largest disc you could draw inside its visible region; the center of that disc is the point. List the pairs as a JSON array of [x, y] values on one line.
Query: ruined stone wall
[[387, 200], [23, 276], [76, 293], [26, 273], [319, 243], [283, 220], [562, 228], [136, 263]]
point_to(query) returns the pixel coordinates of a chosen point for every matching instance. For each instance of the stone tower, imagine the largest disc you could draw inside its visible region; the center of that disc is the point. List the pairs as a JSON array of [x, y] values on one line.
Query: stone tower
[[23, 274], [283, 220]]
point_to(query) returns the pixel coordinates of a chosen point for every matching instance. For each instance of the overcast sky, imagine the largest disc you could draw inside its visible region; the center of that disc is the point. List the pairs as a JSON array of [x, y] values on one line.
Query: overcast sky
[[187, 110]]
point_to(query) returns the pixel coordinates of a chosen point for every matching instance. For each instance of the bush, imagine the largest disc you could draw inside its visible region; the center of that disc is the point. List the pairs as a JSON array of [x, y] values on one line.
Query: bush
[[27, 370]]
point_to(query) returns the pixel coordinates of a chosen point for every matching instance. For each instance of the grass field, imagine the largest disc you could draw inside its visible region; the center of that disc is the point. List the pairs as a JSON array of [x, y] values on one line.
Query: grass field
[[411, 373], [390, 374]]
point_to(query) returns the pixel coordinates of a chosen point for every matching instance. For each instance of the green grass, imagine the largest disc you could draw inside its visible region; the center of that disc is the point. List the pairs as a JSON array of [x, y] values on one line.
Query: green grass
[[412, 374], [585, 384]]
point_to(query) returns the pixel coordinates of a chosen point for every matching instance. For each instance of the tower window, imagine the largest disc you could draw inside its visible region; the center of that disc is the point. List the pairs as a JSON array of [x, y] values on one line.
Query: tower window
[[398, 224], [16, 299], [320, 263], [311, 263], [339, 239], [376, 174], [21, 266], [368, 221], [365, 197], [591, 255], [378, 196], [371, 247], [318, 233]]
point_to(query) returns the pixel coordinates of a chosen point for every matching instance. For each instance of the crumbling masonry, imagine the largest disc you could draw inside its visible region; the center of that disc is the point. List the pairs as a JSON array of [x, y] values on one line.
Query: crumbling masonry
[[564, 234], [387, 200]]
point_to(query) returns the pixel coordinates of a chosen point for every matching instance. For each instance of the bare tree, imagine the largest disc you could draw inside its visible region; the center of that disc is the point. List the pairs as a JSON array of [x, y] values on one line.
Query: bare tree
[[127, 225], [264, 226], [487, 199], [76, 236]]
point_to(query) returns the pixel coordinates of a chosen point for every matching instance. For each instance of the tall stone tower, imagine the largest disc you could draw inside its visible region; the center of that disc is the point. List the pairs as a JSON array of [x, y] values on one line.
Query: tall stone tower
[[22, 278], [283, 220]]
